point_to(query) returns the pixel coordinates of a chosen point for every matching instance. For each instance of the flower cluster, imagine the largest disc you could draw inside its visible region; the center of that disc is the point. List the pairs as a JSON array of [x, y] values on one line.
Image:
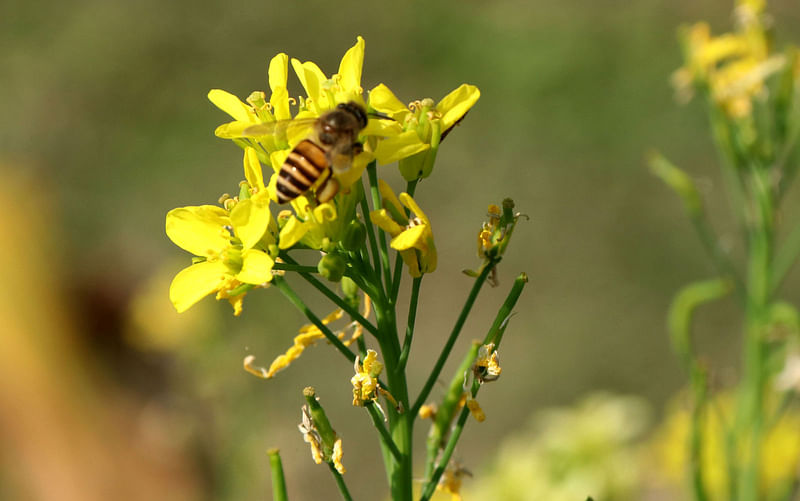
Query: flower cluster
[[733, 66], [238, 244]]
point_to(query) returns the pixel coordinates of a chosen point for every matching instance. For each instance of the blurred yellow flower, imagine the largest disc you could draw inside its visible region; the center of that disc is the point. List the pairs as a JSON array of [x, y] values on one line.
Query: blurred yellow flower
[[487, 365], [733, 66], [780, 453], [413, 237]]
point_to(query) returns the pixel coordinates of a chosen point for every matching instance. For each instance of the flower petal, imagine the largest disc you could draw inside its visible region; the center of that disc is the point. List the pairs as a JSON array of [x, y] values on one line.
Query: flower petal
[[278, 72], [311, 77], [410, 238], [350, 67], [256, 267], [409, 202], [194, 283], [280, 103], [404, 145], [250, 220], [353, 174], [252, 169], [382, 99], [232, 105], [199, 229], [232, 130], [455, 105], [291, 233], [382, 219]]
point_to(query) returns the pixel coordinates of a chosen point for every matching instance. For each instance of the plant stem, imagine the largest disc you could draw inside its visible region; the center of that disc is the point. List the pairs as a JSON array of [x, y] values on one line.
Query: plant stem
[[383, 249], [437, 368], [281, 284], [293, 266], [455, 434], [384, 433], [340, 483], [412, 316], [785, 259], [278, 480], [338, 301], [373, 243], [398, 260]]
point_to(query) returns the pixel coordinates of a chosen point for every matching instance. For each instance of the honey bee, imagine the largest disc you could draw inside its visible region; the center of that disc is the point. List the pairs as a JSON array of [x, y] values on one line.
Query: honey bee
[[328, 150]]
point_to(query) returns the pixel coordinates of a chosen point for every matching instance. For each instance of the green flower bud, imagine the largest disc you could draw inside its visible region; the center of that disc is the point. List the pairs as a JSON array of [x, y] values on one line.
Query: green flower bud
[[355, 235], [332, 267]]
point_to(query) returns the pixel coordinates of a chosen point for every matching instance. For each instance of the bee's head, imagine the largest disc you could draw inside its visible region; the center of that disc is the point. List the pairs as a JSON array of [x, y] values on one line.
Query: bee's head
[[356, 110]]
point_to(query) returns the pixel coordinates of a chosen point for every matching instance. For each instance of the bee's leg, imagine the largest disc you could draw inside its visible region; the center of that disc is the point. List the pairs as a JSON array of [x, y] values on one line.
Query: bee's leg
[[328, 189], [356, 148]]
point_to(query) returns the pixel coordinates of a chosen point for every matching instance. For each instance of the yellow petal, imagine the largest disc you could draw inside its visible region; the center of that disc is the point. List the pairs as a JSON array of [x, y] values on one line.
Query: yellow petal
[[194, 283], [311, 77], [252, 169], [232, 105], [324, 213], [456, 104], [232, 130], [388, 196], [410, 238], [199, 229], [278, 71], [350, 67], [382, 219], [250, 220], [410, 260], [256, 267], [353, 174], [382, 128], [409, 202], [291, 233], [280, 103], [382, 99], [404, 145], [276, 158]]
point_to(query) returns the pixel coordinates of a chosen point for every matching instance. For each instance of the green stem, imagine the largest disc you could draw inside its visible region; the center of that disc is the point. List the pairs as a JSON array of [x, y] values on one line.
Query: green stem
[[278, 480], [340, 483], [437, 368], [373, 243], [372, 175], [386, 439], [412, 316], [293, 266], [785, 259], [287, 291], [338, 301], [447, 453], [495, 334]]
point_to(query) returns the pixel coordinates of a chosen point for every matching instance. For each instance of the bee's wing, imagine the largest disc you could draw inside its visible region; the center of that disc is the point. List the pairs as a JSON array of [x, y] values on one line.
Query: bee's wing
[[281, 129]]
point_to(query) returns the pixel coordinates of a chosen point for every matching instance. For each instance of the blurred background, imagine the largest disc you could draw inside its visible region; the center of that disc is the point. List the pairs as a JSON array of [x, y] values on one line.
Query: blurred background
[[106, 391]]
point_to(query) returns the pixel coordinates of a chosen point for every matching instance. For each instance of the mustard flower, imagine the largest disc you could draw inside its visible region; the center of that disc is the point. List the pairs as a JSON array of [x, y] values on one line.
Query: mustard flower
[[413, 237], [323, 94], [450, 482], [311, 435], [230, 249], [423, 125]]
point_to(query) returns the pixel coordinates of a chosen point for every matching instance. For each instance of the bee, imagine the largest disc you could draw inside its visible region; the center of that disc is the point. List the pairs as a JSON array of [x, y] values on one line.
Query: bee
[[328, 150]]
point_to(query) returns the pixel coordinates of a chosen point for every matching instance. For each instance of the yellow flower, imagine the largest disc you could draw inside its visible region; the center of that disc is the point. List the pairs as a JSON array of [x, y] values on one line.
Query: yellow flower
[[235, 250], [733, 66], [475, 409], [413, 238], [311, 435], [780, 452], [365, 381], [423, 126], [450, 482]]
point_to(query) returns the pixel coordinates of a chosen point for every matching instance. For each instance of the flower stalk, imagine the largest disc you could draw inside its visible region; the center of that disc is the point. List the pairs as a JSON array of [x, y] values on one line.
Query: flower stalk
[[252, 242]]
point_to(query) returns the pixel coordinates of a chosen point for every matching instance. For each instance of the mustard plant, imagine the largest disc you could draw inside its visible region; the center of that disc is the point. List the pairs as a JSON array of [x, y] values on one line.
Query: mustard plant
[[751, 94], [354, 247]]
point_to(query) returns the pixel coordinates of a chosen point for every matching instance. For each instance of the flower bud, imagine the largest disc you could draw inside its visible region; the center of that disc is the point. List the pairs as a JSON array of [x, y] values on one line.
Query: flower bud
[[355, 235], [332, 267]]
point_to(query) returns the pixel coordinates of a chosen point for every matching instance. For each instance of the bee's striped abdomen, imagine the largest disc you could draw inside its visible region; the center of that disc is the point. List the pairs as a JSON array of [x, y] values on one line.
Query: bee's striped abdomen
[[302, 168]]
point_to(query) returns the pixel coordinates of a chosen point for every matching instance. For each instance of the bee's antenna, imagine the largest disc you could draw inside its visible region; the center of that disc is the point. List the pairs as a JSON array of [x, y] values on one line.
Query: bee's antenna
[[377, 114]]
